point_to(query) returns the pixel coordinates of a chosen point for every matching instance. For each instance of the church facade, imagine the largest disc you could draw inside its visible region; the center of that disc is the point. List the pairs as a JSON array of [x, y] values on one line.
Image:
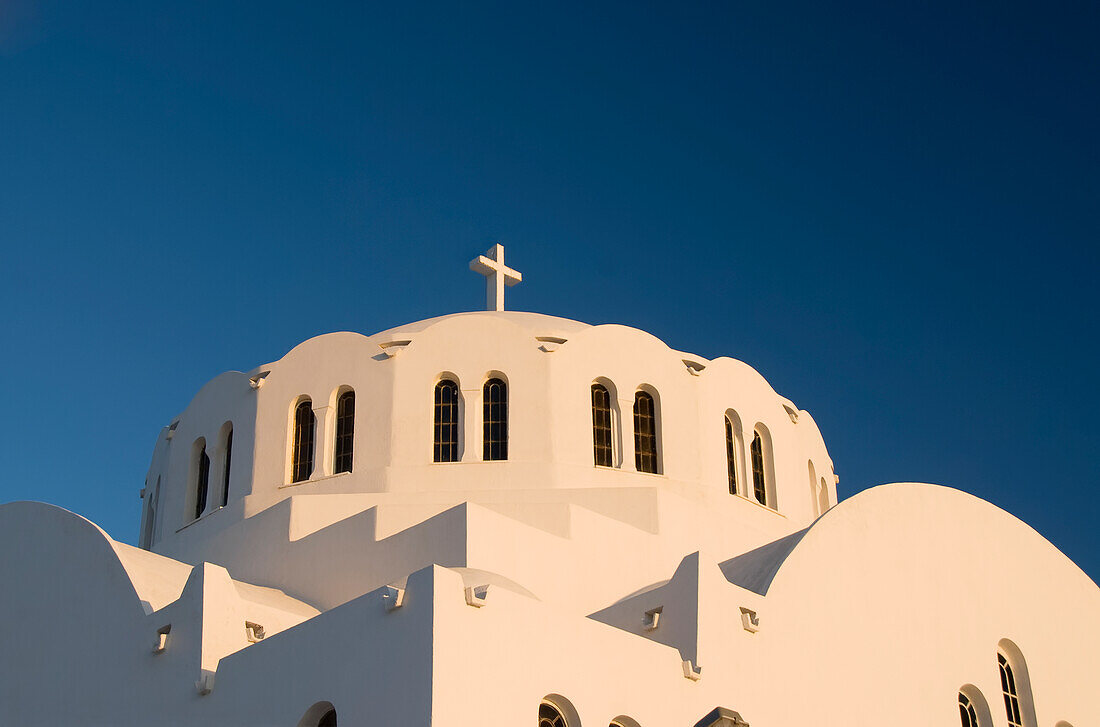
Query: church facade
[[506, 518]]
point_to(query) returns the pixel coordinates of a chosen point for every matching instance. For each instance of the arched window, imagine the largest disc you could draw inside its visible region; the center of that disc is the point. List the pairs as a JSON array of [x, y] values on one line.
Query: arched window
[[967, 714], [759, 477], [495, 418], [1011, 695], [549, 716], [345, 432], [823, 497], [202, 478], [601, 426], [227, 462], [152, 497], [731, 455], [645, 433], [321, 714], [305, 422], [445, 448]]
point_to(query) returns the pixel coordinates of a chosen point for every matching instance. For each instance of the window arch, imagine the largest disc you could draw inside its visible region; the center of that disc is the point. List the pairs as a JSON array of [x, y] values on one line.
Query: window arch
[[623, 721], [445, 441], [973, 709], [1015, 685], [227, 459], [494, 398], [602, 448], [557, 711], [202, 476], [645, 433], [305, 426], [823, 497], [321, 714], [345, 432]]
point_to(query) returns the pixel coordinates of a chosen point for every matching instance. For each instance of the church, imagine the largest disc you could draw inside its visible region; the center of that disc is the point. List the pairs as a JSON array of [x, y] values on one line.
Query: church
[[511, 519]]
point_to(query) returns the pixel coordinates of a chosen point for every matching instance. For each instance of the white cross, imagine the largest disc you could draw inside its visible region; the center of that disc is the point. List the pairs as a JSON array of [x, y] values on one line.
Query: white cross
[[497, 275]]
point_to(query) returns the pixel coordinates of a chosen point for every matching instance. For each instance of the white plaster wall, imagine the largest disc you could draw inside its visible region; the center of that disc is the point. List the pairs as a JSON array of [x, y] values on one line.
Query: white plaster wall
[[878, 613]]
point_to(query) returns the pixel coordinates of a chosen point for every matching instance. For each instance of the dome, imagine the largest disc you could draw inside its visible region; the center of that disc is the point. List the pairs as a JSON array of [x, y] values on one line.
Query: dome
[[540, 415]]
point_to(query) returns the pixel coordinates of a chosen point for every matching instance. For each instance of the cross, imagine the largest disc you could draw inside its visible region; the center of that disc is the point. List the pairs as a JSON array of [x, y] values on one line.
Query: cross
[[497, 275]]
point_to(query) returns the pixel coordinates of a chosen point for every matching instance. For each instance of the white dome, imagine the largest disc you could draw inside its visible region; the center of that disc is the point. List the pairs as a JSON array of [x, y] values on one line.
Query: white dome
[[548, 366]]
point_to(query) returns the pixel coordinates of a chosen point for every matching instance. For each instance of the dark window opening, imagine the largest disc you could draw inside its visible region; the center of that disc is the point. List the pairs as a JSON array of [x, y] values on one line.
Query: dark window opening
[[759, 485], [549, 716], [495, 417], [601, 426], [202, 482], [445, 447], [967, 715], [345, 432], [305, 422], [228, 463], [1008, 688], [645, 433], [731, 457]]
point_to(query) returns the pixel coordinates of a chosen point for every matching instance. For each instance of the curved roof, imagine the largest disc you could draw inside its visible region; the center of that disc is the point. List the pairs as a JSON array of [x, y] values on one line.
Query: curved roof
[[536, 322]]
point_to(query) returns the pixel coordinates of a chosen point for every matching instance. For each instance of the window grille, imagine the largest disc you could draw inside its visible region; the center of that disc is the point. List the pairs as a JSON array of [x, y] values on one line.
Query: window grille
[[601, 425], [1008, 688], [304, 425], [495, 418], [445, 447], [228, 463], [731, 456], [967, 715], [549, 716], [202, 483], [759, 483], [645, 433], [345, 432]]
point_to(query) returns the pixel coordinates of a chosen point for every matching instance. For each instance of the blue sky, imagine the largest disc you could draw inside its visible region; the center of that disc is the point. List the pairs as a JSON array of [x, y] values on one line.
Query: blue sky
[[890, 212]]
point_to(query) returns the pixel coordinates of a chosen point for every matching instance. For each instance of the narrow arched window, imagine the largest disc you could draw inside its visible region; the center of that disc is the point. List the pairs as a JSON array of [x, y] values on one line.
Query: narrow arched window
[[1008, 688], [202, 480], [967, 715], [445, 447], [328, 719], [601, 426], [227, 464], [645, 433], [495, 418], [549, 716], [759, 479], [731, 456], [305, 423], [345, 432]]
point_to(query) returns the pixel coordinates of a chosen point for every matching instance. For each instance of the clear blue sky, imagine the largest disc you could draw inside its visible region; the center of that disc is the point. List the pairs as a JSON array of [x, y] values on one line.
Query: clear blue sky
[[891, 212]]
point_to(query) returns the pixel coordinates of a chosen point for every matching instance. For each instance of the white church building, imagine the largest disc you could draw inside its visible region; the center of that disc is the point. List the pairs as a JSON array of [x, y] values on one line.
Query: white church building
[[509, 519]]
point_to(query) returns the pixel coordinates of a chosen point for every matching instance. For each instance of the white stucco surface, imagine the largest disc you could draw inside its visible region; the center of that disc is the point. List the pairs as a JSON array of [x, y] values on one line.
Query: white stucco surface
[[409, 591]]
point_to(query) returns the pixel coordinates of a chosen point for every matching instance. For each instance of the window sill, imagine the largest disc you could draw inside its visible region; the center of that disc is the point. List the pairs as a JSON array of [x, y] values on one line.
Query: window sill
[[478, 461], [311, 480], [755, 502], [202, 517]]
